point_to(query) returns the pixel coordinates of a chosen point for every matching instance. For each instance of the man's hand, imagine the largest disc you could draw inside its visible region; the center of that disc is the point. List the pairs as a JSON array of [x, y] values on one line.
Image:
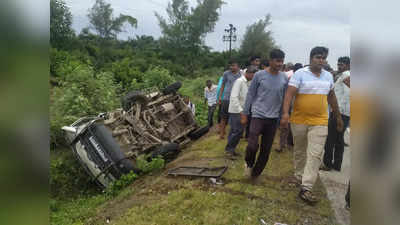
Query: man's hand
[[285, 121], [243, 119], [339, 124]]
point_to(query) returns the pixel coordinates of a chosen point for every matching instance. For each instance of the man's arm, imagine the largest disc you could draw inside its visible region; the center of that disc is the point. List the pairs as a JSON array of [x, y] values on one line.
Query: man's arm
[[234, 99], [205, 96], [332, 101], [221, 90], [291, 91], [251, 93]]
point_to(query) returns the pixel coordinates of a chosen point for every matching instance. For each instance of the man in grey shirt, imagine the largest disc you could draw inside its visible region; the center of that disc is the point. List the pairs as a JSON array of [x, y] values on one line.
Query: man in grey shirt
[[265, 96], [229, 78]]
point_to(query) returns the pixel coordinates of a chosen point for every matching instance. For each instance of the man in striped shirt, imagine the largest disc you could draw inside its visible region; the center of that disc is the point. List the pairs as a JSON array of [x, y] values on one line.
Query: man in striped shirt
[[312, 88]]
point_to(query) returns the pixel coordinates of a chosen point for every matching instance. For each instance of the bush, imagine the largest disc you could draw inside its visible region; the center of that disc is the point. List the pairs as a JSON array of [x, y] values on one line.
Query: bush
[[124, 72], [121, 183], [81, 94], [68, 178], [156, 164]]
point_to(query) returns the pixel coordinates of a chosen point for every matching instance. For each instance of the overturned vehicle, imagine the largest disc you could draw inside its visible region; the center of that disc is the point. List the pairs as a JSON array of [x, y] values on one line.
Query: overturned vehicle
[[154, 123]]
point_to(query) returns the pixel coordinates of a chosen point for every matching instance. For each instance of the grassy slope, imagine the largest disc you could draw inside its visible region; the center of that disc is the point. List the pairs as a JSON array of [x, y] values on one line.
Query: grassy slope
[[159, 199]]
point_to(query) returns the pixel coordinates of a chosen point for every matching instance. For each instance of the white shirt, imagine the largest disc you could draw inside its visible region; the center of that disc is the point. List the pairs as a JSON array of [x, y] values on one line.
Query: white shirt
[[211, 95], [238, 95], [342, 93], [192, 107]]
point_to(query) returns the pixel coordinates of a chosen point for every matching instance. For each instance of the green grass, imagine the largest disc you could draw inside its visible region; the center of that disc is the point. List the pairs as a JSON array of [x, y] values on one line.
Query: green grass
[[159, 199]]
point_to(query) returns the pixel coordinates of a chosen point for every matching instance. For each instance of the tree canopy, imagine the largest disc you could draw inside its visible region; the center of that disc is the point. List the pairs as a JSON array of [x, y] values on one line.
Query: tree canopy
[[102, 20], [60, 24], [257, 40]]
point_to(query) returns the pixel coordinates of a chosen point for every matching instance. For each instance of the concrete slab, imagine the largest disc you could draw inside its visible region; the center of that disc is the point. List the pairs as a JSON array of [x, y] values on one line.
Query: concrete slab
[[336, 186]]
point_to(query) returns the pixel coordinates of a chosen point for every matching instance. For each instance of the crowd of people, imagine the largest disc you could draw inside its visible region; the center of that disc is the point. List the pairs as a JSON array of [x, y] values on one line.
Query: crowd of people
[[310, 105]]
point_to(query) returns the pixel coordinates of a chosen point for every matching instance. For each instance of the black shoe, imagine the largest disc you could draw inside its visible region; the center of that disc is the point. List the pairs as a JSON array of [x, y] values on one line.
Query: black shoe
[[346, 145]]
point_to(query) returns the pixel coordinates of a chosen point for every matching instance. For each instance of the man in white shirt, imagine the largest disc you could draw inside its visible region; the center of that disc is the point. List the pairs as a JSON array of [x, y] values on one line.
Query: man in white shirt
[[236, 105], [189, 104], [210, 95], [334, 145]]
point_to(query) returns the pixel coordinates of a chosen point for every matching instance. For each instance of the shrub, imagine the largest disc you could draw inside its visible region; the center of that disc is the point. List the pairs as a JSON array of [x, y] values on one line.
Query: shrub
[[156, 164], [81, 94], [68, 178], [121, 183]]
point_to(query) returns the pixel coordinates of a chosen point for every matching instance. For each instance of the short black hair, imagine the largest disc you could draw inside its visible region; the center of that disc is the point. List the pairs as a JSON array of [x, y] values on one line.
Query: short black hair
[[319, 50], [276, 54], [254, 58], [251, 69], [344, 60], [265, 62], [208, 81], [297, 66]]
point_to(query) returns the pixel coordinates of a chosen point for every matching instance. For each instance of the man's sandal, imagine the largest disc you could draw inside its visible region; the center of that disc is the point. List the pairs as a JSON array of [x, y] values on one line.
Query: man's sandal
[[307, 196]]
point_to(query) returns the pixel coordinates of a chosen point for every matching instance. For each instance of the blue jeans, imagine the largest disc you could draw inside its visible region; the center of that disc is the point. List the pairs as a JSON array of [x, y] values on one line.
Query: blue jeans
[[235, 133]]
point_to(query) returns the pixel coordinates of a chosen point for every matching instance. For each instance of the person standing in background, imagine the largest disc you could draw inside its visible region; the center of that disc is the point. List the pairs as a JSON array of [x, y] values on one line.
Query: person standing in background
[[210, 98], [229, 77], [334, 145], [236, 106]]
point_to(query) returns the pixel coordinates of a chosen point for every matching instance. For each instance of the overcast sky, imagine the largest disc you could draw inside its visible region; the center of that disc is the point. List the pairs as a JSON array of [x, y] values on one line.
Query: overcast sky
[[297, 26]]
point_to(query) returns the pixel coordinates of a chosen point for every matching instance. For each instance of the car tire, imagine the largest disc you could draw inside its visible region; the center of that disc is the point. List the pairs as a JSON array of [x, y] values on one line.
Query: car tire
[[111, 147], [131, 98], [172, 89], [196, 134]]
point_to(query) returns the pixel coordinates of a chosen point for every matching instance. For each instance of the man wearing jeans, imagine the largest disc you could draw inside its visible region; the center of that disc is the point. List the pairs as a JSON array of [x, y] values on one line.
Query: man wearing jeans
[[228, 79], [334, 145], [236, 105], [265, 96], [210, 95], [313, 90]]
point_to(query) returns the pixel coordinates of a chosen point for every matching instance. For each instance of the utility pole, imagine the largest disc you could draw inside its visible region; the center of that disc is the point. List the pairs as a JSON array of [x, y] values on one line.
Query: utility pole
[[231, 36]]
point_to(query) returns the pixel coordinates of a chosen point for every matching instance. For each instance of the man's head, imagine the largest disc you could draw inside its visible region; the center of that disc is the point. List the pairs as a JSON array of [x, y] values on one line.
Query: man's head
[[234, 66], [255, 61], [264, 63], [318, 57], [297, 66], [343, 64], [288, 66], [276, 58], [186, 99], [209, 83], [250, 71]]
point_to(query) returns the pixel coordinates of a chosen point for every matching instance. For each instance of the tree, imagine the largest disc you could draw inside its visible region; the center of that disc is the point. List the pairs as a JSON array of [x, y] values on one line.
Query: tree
[[257, 40], [102, 20], [60, 24], [185, 30]]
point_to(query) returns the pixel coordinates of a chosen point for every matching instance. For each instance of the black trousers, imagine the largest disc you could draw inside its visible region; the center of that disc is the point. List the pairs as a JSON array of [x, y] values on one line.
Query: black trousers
[[211, 110], [266, 128], [334, 145]]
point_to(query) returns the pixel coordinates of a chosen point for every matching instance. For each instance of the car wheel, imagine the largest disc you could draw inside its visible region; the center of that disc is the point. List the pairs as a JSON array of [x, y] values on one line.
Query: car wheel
[[196, 134], [131, 98]]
